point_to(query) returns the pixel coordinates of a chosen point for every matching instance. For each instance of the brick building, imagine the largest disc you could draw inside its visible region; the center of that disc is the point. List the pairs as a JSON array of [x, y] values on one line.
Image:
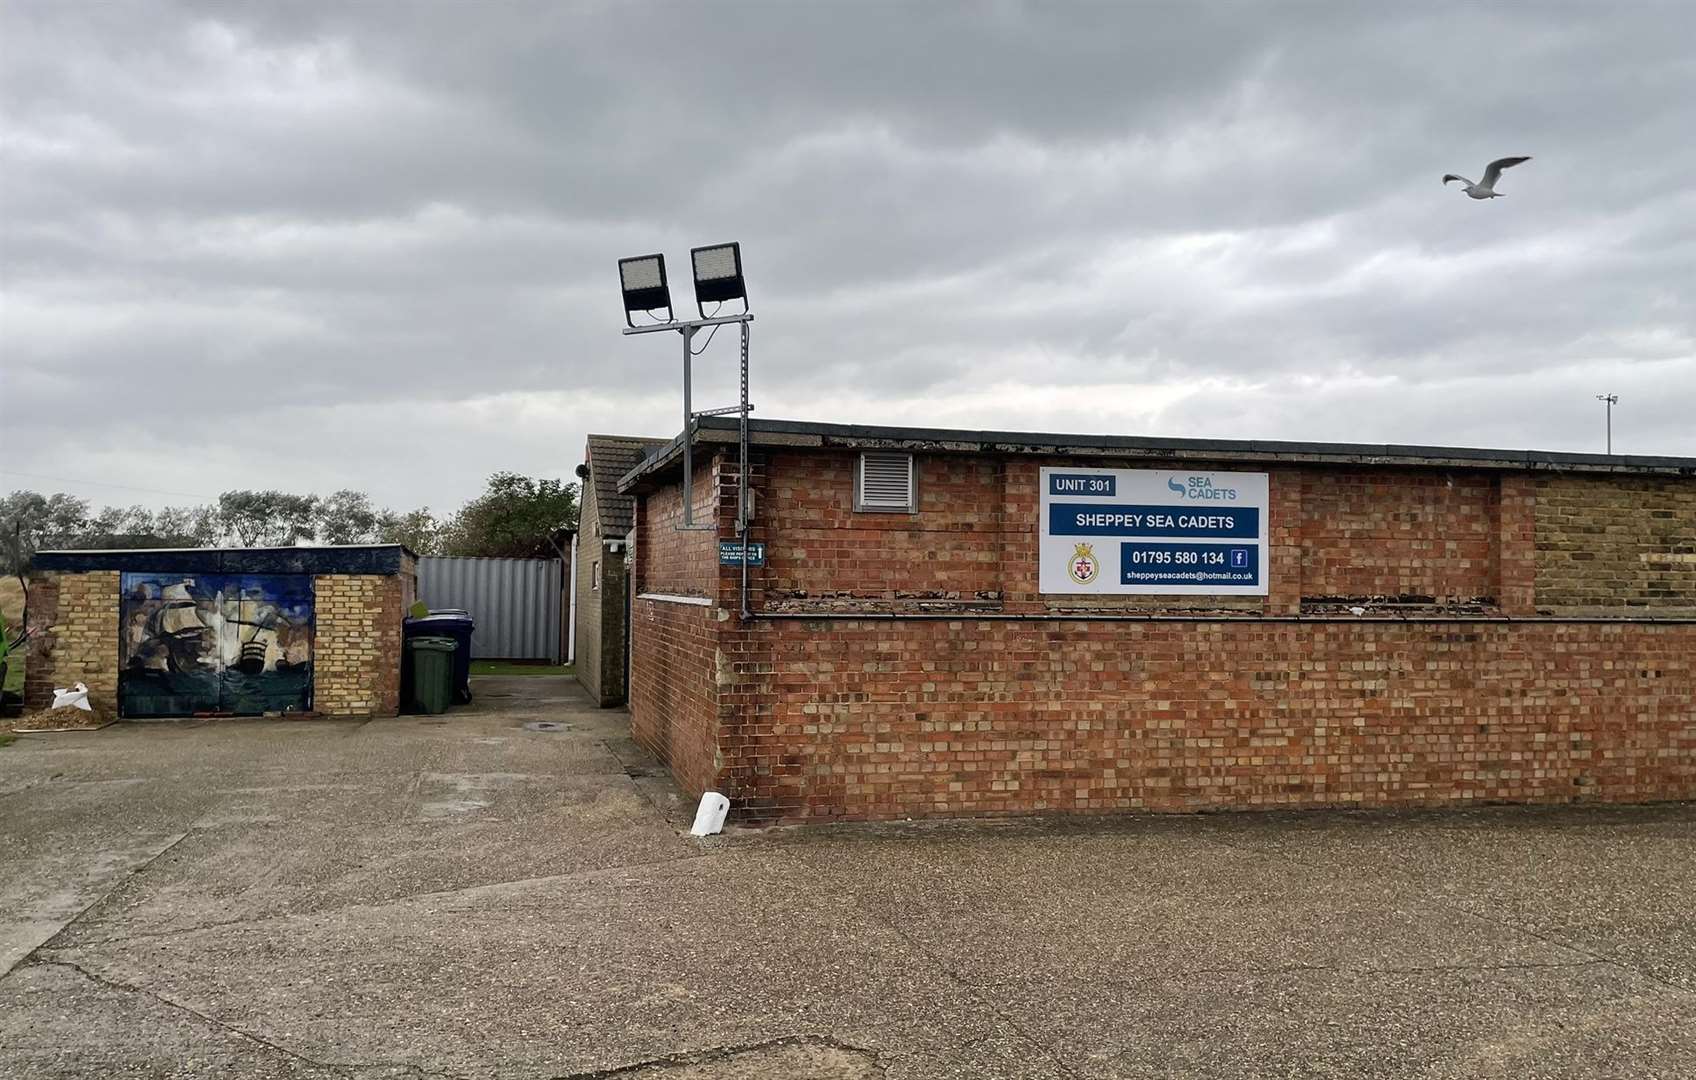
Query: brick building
[[603, 545], [1415, 625], [198, 631]]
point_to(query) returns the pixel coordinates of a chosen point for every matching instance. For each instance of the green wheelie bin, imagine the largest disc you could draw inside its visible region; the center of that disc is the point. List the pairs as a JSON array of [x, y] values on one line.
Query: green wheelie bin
[[432, 672]]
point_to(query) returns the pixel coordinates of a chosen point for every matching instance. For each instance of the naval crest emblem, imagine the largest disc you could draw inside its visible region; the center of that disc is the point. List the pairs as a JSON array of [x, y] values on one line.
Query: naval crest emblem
[[1083, 566]]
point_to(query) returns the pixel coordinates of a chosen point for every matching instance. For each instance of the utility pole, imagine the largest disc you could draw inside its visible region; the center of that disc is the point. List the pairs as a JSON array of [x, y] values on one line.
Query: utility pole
[[1612, 400]]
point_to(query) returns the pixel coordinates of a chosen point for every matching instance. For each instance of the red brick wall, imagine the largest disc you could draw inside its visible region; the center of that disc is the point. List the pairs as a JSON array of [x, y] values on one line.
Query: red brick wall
[[1336, 533], [42, 614], [670, 560], [804, 718], [946, 549], [673, 689], [1514, 557], [870, 719], [674, 646], [1397, 533]]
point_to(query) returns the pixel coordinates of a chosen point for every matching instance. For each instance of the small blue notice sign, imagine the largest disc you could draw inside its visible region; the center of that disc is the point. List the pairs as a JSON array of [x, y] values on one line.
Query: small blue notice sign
[[730, 553]]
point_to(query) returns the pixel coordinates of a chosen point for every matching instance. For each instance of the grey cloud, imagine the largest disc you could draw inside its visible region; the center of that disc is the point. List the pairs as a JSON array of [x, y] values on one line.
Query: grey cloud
[[1195, 219]]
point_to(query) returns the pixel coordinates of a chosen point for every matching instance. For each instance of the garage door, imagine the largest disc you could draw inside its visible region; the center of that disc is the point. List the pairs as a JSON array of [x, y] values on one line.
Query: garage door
[[239, 644]]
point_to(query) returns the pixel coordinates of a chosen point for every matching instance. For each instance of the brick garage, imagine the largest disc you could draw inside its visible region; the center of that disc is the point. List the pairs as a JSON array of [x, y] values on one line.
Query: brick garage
[[1526, 632], [269, 631]]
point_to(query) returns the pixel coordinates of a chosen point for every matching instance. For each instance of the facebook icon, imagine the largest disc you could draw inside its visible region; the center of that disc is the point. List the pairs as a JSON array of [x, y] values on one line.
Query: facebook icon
[[1239, 558]]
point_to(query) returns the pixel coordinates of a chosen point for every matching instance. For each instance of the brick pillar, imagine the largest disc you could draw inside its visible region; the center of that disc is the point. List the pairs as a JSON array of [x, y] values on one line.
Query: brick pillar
[[1514, 550], [356, 644], [1284, 536], [1019, 550], [77, 641], [38, 657]]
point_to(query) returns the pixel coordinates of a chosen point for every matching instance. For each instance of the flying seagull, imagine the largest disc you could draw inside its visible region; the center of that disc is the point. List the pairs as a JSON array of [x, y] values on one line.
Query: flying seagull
[[1486, 188]]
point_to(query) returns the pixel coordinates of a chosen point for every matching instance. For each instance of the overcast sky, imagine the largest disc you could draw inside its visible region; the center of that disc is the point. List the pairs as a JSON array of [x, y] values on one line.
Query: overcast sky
[[373, 245]]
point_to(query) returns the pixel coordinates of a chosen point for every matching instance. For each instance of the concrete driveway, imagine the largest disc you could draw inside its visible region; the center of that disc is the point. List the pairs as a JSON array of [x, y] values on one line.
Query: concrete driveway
[[467, 897]]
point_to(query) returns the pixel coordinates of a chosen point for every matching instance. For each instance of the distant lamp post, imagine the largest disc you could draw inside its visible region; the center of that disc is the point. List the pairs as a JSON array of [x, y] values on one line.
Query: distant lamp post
[[645, 288], [1612, 400], [718, 276]]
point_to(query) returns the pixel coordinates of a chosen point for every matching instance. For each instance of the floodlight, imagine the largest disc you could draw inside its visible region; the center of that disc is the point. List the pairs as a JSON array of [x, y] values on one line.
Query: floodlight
[[718, 275], [645, 288]]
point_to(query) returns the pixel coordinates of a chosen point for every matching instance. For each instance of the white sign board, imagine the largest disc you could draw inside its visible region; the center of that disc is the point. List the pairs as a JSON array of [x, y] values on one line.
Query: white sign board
[[1153, 531]]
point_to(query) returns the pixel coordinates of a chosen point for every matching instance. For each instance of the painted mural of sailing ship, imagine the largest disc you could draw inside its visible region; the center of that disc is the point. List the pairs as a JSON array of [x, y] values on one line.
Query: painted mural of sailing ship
[[256, 642], [215, 644], [175, 625]]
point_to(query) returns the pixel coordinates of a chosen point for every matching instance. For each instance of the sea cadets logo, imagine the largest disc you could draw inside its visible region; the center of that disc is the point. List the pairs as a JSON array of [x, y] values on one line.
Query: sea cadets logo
[[1202, 488], [1083, 566]]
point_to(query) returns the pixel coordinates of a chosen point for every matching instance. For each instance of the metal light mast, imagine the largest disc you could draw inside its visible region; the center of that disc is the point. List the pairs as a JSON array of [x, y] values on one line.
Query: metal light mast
[[718, 280]]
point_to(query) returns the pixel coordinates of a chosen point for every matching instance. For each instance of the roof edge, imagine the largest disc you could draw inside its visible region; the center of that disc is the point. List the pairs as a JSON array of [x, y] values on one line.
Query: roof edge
[[720, 430], [327, 559], [642, 440]]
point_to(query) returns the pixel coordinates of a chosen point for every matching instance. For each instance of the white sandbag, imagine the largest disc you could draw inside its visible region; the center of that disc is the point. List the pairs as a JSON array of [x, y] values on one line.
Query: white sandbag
[[74, 698], [709, 819]]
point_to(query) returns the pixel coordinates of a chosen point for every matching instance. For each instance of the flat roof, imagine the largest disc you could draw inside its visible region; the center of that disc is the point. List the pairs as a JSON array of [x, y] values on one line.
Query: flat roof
[[337, 559], [718, 430]]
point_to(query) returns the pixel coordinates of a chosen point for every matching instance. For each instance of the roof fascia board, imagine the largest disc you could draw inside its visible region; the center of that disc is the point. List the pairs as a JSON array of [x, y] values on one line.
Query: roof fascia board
[[713, 431]]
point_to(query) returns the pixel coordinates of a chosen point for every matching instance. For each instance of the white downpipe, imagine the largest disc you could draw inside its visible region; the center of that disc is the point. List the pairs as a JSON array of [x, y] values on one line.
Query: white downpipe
[[571, 614]]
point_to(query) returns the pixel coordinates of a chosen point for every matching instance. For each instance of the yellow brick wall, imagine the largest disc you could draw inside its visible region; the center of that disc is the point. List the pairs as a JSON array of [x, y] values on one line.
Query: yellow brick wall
[[1610, 545], [82, 644], [356, 644]]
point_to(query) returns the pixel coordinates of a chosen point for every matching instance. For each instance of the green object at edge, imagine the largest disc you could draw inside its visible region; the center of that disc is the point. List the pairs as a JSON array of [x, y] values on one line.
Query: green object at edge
[[418, 610], [5, 651], [432, 673]]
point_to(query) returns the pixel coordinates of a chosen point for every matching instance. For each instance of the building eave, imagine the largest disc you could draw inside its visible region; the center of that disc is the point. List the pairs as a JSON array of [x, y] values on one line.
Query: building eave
[[712, 432]]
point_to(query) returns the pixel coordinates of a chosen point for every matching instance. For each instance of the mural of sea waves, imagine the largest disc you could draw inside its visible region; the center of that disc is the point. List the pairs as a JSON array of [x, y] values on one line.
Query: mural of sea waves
[[237, 644]]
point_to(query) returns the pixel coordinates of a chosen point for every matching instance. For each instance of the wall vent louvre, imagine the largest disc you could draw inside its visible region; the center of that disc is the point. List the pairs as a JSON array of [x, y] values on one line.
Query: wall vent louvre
[[885, 482]]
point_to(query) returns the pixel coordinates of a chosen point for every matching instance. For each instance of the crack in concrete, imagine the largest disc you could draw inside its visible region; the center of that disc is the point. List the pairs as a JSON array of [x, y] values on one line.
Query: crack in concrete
[[984, 1002], [31, 786], [113, 984], [1581, 950], [644, 791], [342, 1068], [117, 884], [629, 780], [1349, 969], [726, 1053], [225, 924], [412, 788]]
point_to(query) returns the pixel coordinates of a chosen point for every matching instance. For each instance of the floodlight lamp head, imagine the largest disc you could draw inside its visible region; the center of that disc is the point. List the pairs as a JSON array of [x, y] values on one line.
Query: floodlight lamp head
[[643, 279], [718, 276]]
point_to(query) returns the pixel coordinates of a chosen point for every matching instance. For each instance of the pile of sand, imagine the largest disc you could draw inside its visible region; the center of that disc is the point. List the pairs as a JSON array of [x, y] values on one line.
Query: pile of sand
[[64, 719]]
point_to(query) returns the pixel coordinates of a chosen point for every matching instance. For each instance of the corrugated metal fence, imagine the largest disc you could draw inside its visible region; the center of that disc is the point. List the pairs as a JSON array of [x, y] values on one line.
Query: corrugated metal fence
[[516, 603]]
